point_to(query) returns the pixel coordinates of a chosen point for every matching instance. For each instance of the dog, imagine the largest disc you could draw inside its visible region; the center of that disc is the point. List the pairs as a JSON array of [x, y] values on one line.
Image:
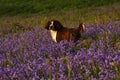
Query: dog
[[59, 32]]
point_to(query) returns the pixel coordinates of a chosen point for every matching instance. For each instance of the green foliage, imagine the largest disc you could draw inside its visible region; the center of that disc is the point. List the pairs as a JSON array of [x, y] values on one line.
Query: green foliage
[[15, 7], [22, 15]]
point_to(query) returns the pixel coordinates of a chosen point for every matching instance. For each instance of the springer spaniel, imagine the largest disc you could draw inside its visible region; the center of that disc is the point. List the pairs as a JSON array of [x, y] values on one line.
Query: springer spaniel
[[59, 32]]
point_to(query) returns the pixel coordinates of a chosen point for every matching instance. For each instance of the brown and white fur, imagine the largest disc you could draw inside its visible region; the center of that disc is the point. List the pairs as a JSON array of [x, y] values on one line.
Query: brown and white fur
[[59, 32]]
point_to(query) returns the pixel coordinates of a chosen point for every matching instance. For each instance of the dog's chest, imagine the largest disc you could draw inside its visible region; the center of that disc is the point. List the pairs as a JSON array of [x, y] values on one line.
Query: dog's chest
[[54, 35]]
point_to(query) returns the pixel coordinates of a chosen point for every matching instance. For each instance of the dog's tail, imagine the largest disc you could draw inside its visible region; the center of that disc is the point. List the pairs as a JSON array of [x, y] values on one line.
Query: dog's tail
[[82, 27]]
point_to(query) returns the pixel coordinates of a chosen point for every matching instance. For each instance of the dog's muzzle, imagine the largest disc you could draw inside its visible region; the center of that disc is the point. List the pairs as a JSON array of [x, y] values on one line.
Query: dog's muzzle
[[52, 28]]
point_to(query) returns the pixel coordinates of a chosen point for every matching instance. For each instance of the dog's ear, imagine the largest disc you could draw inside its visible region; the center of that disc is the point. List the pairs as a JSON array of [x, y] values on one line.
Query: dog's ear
[[47, 25], [81, 27], [58, 25]]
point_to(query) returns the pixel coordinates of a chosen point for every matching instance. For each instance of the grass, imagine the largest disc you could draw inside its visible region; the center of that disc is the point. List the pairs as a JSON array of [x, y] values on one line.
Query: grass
[[35, 13], [13, 7]]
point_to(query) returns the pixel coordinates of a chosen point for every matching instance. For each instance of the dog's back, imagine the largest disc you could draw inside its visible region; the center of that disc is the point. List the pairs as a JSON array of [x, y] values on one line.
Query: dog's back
[[70, 34], [64, 34], [76, 32]]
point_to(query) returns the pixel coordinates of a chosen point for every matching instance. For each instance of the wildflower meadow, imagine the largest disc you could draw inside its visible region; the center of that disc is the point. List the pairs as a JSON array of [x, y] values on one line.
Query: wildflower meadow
[[32, 55], [27, 51]]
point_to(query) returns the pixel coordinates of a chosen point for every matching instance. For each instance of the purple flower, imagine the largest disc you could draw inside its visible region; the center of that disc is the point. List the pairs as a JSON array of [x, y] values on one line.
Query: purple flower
[[32, 55]]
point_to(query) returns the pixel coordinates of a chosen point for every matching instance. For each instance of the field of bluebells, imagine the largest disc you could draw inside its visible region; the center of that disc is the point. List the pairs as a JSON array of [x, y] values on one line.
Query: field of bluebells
[[32, 55]]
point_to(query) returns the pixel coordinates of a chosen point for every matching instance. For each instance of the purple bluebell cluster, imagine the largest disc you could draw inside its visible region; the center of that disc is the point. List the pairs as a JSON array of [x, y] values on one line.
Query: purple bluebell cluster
[[32, 55]]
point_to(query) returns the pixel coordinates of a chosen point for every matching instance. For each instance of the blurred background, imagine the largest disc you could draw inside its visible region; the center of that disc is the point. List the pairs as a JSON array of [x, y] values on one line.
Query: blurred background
[[18, 15]]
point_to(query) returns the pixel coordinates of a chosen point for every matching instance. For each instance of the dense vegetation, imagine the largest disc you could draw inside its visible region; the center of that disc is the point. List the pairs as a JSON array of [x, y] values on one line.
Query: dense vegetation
[[14, 7], [19, 15], [32, 55], [27, 51]]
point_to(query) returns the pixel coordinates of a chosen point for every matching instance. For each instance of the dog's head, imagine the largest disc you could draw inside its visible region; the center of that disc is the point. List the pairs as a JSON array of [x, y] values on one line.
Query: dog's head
[[53, 25]]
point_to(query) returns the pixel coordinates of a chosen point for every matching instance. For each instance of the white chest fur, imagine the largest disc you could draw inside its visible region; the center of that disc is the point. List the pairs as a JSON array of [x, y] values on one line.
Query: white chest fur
[[53, 34]]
